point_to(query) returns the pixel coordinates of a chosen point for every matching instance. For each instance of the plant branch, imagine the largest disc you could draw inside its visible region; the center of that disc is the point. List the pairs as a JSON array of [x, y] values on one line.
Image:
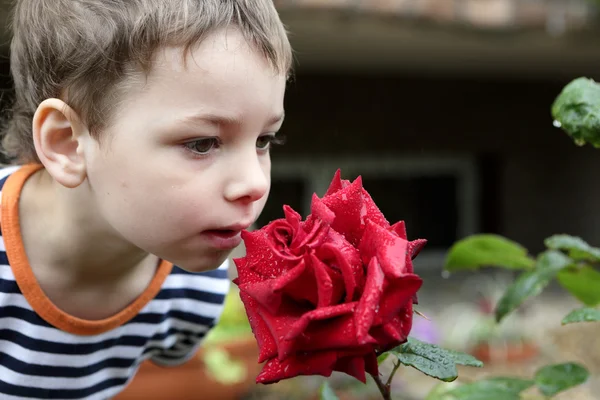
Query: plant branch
[[386, 388], [388, 384], [383, 388]]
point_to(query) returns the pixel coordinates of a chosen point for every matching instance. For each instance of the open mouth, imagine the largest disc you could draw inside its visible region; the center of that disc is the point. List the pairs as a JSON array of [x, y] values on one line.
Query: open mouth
[[224, 233]]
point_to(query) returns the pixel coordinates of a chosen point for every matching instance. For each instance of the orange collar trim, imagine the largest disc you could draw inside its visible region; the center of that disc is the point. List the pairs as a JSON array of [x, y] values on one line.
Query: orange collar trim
[[41, 304]]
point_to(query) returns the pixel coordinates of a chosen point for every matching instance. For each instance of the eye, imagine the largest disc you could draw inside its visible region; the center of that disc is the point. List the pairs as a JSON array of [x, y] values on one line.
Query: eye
[[265, 142], [202, 146]]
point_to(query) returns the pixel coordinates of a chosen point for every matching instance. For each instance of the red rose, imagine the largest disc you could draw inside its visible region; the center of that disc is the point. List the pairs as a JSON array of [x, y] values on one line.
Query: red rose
[[328, 293]]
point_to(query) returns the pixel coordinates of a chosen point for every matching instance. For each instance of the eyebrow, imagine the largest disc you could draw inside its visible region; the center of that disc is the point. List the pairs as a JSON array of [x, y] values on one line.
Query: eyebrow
[[220, 120]]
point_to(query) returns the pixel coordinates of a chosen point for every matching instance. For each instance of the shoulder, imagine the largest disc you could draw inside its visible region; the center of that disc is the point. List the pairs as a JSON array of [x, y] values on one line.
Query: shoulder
[[6, 171]]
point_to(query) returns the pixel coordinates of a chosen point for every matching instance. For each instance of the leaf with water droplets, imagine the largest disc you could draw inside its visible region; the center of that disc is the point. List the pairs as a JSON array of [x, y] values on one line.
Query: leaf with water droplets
[[577, 110], [557, 378], [433, 360], [582, 315]]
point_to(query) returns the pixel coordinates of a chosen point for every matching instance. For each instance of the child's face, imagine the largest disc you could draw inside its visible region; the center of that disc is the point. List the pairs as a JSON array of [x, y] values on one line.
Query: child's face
[[187, 153]]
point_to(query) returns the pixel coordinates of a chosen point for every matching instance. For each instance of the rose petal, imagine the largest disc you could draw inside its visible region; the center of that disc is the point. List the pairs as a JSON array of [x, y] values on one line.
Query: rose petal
[[345, 260], [415, 247], [373, 212], [396, 331], [301, 324], [400, 229], [337, 183], [371, 365], [260, 257], [397, 293], [350, 211], [337, 333], [319, 363], [389, 249], [319, 210], [368, 304], [323, 282], [353, 366], [268, 292], [265, 341]]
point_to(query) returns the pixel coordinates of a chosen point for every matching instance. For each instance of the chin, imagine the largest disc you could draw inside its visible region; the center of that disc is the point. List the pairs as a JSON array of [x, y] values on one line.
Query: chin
[[203, 264]]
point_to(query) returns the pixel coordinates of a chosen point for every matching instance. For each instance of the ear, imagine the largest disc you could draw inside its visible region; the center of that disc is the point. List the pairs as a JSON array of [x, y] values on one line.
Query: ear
[[57, 133]]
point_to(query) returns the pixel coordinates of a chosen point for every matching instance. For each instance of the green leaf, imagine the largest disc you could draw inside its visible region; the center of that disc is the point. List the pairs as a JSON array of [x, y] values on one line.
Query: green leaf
[[577, 111], [554, 379], [222, 368], [433, 360], [486, 250], [583, 283], [530, 284], [499, 388], [382, 357], [433, 366], [326, 392], [577, 248], [582, 315]]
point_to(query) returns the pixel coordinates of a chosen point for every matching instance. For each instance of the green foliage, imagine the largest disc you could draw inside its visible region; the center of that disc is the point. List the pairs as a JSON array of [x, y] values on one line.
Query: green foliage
[[326, 393], [498, 388], [576, 248], [485, 250], [577, 111], [433, 360], [582, 315], [583, 282], [532, 283], [222, 367], [554, 379]]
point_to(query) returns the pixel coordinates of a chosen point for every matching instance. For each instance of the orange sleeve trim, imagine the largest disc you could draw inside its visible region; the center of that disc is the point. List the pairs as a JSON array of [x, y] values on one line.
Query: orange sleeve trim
[[29, 285]]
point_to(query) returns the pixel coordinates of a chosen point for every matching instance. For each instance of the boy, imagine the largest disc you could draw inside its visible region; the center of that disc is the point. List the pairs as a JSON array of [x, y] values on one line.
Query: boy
[[141, 132]]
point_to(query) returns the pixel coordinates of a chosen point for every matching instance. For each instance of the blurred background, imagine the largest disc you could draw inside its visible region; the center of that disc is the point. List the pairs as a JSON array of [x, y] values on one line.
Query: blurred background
[[443, 106]]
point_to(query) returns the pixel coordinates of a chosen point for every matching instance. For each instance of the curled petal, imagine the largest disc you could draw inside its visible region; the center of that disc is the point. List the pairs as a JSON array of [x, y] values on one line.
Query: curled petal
[[260, 257], [351, 272], [415, 247], [337, 183], [268, 293], [368, 304], [319, 210], [299, 326], [323, 281], [400, 229], [320, 363], [264, 339], [397, 294], [353, 366], [389, 249]]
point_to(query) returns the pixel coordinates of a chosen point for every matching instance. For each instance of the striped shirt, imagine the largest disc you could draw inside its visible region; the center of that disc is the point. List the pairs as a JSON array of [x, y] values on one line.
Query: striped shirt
[[48, 354]]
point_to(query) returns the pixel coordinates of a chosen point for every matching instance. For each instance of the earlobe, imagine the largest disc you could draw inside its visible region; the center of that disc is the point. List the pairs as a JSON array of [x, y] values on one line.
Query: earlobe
[[57, 131]]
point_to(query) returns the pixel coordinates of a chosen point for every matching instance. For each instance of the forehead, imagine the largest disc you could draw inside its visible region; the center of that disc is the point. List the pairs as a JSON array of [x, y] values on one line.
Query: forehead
[[223, 68]]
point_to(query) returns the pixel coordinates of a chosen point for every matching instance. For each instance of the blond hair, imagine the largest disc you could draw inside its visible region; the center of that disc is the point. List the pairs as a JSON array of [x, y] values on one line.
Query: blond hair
[[82, 51]]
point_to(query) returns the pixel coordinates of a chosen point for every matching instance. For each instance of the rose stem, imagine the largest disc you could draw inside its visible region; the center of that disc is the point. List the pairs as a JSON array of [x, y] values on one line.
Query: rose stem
[[386, 388], [385, 391]]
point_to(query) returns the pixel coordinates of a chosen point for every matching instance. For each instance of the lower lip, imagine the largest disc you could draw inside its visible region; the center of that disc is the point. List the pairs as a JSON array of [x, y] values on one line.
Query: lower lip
[[222, 240]]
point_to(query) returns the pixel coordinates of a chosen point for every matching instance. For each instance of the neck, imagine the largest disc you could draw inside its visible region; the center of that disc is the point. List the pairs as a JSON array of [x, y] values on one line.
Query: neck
[[76, 242]]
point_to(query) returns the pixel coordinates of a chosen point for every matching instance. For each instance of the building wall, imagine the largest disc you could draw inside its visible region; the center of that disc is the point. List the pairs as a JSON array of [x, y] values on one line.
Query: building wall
[[533, 180]]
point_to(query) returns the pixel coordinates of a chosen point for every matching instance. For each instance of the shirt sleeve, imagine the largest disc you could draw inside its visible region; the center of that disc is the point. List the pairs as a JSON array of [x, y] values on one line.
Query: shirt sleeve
[[205, 308]]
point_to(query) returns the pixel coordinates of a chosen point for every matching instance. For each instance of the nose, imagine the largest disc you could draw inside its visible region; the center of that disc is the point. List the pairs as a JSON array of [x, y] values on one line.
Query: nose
[[249, 180]]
